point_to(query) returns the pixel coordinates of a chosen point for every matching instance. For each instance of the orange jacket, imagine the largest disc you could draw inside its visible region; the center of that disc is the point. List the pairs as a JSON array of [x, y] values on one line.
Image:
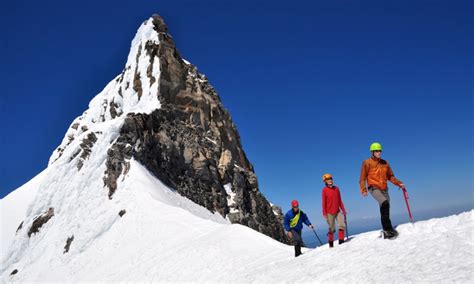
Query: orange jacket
[[376, 172]]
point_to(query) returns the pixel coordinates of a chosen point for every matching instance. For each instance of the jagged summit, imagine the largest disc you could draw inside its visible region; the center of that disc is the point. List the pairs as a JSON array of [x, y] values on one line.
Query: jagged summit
[[159, 24], [175, 124], [134, 90]]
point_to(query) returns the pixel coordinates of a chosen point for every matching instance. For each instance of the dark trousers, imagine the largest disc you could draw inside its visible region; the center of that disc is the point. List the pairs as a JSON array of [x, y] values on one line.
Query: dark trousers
[[297, 241]]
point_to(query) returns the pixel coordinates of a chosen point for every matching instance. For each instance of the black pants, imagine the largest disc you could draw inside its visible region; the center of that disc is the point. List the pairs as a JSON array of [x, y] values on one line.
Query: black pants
[[385, 216], [297, 241]]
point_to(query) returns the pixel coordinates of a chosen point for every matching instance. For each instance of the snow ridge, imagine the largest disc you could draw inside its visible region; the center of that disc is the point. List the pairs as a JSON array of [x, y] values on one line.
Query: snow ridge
[[135, 90]]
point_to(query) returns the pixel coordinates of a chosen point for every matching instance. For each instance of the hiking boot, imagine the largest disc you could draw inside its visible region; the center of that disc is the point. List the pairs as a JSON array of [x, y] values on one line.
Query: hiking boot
[[331, 239], [390, 234], [297, 250], [341, 236]]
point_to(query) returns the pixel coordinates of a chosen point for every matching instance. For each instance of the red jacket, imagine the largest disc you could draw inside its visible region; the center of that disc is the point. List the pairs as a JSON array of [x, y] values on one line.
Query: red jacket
[[332, 201]]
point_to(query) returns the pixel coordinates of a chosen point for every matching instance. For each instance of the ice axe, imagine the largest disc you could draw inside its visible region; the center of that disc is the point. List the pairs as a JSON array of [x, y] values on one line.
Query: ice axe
[[347, 230], [317, 236], [405, 195]]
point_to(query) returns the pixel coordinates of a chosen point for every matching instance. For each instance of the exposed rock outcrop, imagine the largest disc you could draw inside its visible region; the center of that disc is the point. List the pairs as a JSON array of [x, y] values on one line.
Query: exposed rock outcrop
[[68, 244], [86, 147], [20, 226], [40, 221]]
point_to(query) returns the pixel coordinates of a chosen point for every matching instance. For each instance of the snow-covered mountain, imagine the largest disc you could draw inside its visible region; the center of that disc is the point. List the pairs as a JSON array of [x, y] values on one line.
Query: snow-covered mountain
[[161, 116], [163, 113]]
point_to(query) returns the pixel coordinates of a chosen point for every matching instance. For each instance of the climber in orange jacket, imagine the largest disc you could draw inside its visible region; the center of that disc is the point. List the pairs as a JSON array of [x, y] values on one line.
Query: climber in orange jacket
[[332, 202], [375, 173]]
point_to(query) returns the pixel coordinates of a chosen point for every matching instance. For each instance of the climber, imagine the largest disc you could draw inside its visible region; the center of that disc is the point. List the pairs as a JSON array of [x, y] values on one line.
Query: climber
[[375, 172], [332, 202], [293, 224]]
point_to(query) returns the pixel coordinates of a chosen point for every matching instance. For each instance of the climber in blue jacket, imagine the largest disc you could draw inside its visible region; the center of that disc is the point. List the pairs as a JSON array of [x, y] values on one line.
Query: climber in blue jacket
[[293, 224]]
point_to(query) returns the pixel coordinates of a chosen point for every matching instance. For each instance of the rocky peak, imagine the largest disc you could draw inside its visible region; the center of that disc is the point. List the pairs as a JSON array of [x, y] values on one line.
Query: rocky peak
[[159, 24], [171, 120]]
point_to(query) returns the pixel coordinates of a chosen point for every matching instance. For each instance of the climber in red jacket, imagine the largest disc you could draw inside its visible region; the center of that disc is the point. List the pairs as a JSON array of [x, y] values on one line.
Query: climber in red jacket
[[332, 202]]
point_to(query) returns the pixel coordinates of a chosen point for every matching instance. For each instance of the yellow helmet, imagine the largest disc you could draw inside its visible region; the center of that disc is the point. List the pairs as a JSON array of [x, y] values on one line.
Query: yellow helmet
[[375, 147], [327, 176]]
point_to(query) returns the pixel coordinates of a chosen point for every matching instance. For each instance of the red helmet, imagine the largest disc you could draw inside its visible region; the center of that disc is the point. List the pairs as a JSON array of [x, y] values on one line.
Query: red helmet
[[294, 203]]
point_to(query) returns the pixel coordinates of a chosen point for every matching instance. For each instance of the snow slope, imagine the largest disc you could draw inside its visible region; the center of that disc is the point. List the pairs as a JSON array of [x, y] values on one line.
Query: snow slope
[[164, 236], [13, 210], [436, 250], [160, 233]]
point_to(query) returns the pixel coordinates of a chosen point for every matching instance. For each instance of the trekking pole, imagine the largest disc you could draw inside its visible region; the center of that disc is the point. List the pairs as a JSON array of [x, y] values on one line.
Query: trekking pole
[[347, 230], [405, 195], [317, 236]]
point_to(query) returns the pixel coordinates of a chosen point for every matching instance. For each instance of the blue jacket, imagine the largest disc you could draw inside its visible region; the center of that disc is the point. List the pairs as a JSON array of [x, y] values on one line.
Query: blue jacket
[[299, 226]]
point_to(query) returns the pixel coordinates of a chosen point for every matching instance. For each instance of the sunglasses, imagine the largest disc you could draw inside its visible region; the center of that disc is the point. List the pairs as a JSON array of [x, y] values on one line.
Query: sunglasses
[[378, 151]]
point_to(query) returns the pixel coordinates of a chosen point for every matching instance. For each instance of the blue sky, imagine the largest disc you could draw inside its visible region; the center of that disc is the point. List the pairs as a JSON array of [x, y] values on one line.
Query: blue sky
[[309, 84]]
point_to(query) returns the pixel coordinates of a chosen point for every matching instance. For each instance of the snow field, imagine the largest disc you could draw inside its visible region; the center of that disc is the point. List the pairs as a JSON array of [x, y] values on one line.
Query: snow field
[[166, 237]]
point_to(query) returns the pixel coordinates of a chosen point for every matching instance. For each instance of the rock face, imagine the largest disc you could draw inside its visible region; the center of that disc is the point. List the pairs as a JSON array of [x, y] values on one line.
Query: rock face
[[186, 137], [192, 145], [40, 221], [68, 244]]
